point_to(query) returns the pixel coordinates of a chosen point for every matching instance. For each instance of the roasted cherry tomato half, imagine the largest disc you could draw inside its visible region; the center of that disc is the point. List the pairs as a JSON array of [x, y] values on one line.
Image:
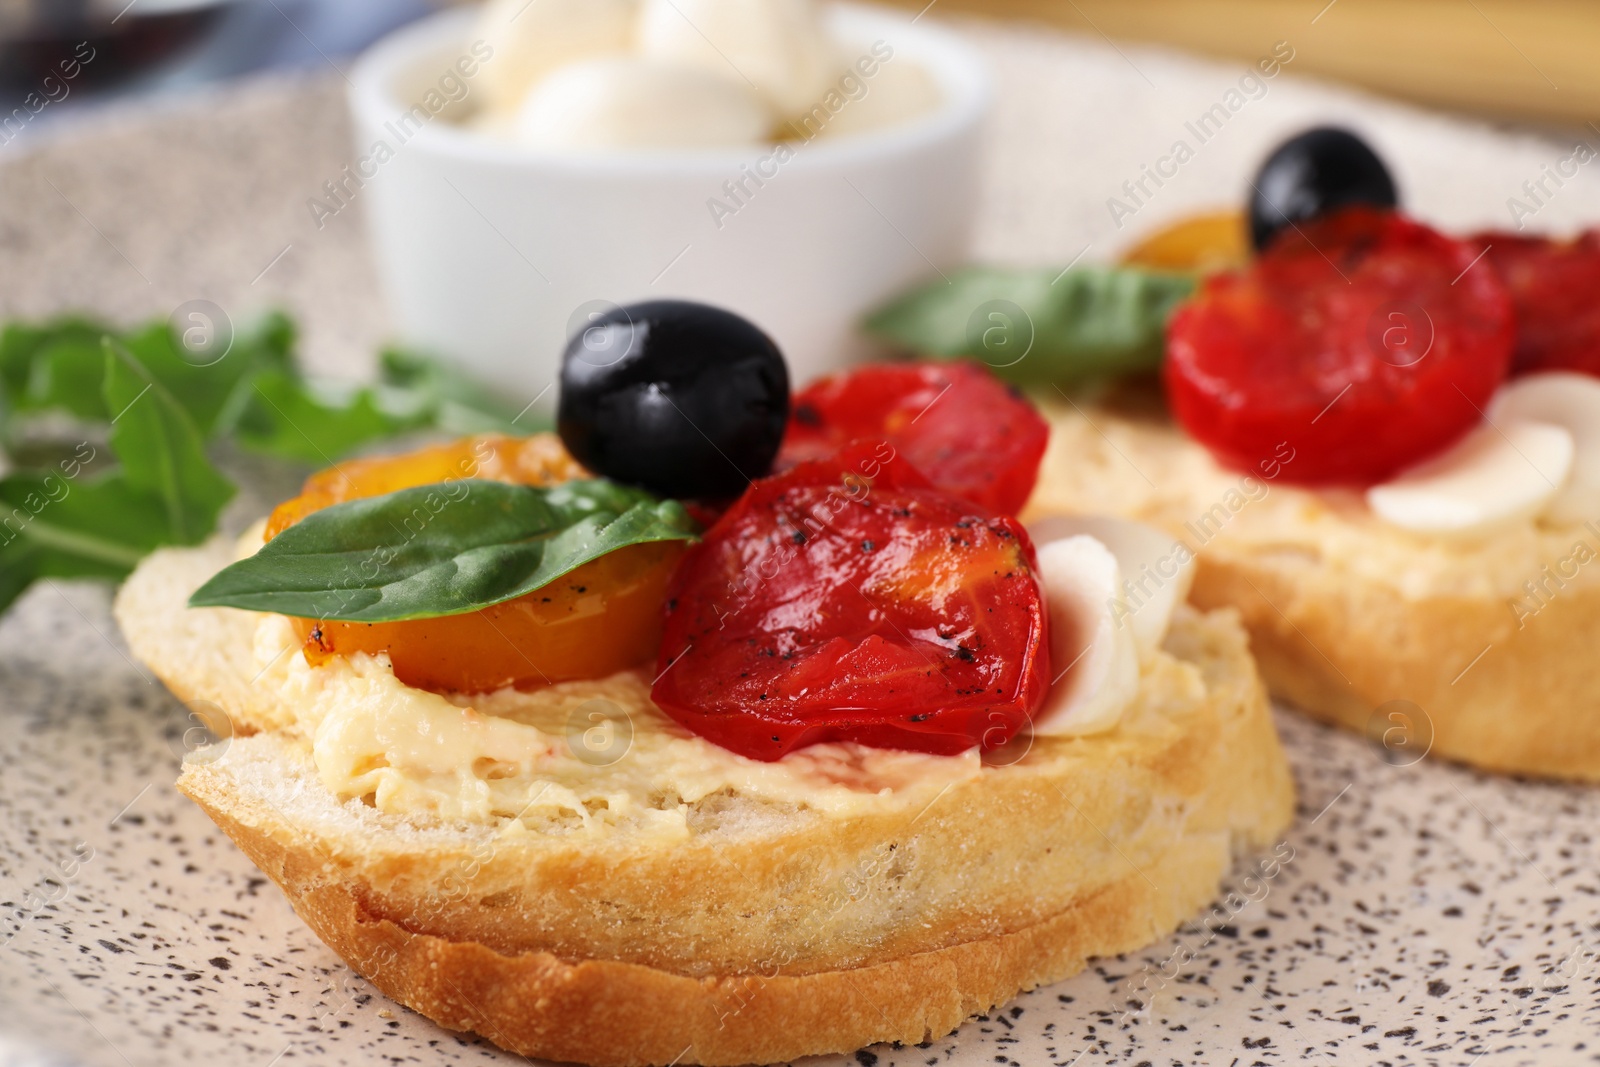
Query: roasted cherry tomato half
[[1553, 288], [1358, 344], [847, 600], [972, 435], [601, 618], [1314, 174]]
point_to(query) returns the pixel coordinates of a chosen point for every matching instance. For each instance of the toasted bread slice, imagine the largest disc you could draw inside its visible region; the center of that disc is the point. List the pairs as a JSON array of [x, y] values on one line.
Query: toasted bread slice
[[1487, 644], [769, 930]]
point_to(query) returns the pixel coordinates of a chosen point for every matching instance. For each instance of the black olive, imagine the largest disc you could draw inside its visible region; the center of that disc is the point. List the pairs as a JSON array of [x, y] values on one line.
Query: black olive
[[681, 399], [1312, 174]]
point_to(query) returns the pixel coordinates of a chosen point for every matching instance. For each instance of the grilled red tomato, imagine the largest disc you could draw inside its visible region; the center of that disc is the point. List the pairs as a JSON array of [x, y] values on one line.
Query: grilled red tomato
[[848, 600], [972, 435], [1553, 286], [1363, 342]]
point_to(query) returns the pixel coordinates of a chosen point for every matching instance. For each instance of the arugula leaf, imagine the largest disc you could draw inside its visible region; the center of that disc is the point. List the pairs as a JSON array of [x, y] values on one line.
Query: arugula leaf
[[286, 419], [161, 451], [63, 516], [19, 566], [292, 419], [457, 403], [211, 392], [1040, 326], [95, 529], [52, 525], [65, 376], [21, 345], [440, 549], [59, 366]]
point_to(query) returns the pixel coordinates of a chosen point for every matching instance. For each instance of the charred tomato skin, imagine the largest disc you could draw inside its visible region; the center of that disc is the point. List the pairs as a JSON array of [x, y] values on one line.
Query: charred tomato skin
[[972, 435], [1553, 285], [848, 600], [1363, 343]]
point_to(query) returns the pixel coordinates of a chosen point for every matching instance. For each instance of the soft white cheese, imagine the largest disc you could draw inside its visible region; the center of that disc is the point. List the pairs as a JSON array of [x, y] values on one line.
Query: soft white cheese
[[1571, 401], [766, 69], [530, 40], [531, 757], [622, 102], [1157, 570], [1093, 653], [898, 91], [779, 47], [1499, 474]]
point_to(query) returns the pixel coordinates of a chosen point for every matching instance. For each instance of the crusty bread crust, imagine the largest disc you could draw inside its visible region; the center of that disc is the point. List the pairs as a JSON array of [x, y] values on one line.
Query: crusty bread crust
[[1342, 650], [757, 939], [603, 1012], [1504, 682]]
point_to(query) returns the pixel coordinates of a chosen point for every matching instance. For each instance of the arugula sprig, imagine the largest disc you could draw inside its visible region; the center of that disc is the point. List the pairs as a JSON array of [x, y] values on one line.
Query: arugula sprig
[[109, 434], [77, 519]]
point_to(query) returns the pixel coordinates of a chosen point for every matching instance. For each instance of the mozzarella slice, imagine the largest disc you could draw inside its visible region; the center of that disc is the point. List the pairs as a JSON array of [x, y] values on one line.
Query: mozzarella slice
[[1571, 401], [1096, 661], [625, 102], [1157, 570], [778, 46], [532, 39], [1499, 473]]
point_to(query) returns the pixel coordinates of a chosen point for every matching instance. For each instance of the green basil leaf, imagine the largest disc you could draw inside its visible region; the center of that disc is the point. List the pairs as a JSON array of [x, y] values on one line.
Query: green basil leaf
[[1040, 326], [161, 451], [440, 549]]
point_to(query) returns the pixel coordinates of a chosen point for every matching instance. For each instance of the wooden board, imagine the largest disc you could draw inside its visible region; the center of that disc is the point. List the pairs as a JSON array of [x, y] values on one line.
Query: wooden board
[[1531, 59]]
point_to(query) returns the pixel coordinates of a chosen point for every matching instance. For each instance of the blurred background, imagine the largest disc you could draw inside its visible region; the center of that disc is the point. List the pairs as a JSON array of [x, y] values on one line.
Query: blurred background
[[147, 47], [1519, 59], [1525, 60], [169, 150]]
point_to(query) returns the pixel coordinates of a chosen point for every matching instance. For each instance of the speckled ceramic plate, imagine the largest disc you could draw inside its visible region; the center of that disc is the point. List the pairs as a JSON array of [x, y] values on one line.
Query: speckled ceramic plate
[[1418, 914]]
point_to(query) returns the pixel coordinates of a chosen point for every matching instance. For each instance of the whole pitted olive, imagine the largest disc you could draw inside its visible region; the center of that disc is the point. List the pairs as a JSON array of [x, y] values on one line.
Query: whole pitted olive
[[1314, 173], [682, 399]]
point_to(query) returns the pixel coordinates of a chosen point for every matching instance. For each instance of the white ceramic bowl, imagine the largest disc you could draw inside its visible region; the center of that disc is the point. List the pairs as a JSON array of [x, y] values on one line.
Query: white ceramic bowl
[[490, 253]]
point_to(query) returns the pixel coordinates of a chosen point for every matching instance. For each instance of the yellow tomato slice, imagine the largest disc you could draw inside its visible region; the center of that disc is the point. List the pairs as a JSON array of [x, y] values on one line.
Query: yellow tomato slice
[[601, 618], [536, 460], [1203, 244]]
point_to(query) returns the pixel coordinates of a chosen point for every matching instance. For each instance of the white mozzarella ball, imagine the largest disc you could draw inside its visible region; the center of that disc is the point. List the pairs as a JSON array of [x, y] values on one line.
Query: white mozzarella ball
[[898, 91], [779, 47], [531, 38], [625, 102]]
